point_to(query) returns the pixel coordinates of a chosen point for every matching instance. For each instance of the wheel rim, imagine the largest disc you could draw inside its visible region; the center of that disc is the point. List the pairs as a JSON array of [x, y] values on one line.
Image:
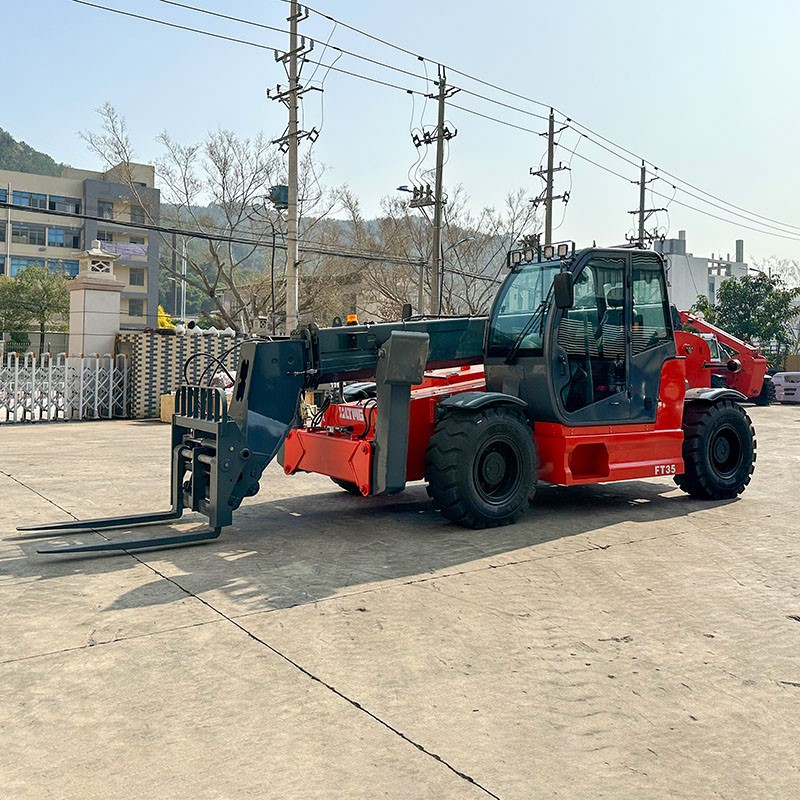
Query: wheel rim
[[725, 452], [496, 471]]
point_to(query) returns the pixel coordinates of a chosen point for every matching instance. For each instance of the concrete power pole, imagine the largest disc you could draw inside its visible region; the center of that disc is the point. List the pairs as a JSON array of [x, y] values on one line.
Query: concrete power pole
[[547, 176], [548, 198], [643, 213], [642, 183], [299, 46], [292, 315], [436, 277], [425, 196]]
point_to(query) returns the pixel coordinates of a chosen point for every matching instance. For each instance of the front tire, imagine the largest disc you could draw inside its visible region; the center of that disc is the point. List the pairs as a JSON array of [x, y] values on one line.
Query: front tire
[[719, 451], [481, 467]]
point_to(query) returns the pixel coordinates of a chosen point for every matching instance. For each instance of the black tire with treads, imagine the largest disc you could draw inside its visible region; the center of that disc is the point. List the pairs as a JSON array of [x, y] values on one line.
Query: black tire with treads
[[719, 451], [481, 466]]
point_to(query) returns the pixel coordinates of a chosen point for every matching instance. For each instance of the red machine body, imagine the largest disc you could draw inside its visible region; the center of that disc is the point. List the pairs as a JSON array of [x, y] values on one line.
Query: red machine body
[[697, 354], [744, 372], [342, 446]]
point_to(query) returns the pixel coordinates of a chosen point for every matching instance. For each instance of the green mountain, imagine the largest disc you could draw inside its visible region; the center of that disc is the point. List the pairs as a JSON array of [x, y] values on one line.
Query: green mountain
[[20, 157]]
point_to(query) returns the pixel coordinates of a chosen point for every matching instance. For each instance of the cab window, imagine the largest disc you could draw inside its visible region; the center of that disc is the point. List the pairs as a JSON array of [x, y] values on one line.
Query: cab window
[[650, 321]]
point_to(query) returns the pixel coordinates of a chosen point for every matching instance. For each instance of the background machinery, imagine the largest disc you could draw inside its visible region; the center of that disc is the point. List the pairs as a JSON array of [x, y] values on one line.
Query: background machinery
[[731, 362], [574, 378]]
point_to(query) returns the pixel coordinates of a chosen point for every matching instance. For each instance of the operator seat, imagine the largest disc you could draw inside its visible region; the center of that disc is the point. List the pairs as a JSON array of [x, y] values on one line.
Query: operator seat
[[615, 311]]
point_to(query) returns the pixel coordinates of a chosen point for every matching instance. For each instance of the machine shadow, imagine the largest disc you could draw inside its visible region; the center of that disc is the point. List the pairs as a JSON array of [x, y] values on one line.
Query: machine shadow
[[302, 549]]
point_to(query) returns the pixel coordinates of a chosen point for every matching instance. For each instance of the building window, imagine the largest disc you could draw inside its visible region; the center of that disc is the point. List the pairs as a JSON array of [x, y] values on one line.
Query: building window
[[138, 239], [69, 204], [2, 265], [2, 231], [137, 215], [29, 199], [136, 277], [135, 308], [105, 209], [3, 196], [64, 237], [28, 233], [20, 263], [69, 268], [105, 236]]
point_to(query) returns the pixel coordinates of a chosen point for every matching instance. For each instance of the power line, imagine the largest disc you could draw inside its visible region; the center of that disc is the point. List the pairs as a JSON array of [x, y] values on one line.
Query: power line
[[246, 42], [144, 226], [494, 119], [573, 123], [584, 128], [329, 46]]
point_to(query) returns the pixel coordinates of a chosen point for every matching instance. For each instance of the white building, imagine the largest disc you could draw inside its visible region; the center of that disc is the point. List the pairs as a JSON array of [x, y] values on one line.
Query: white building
[[51, 220], [689, 276]]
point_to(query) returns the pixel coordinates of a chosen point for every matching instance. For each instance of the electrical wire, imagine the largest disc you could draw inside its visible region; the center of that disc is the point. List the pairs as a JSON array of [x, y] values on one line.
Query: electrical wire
[[254, 24], [362, 255], [617, 151], [237, 40], [585, 129]]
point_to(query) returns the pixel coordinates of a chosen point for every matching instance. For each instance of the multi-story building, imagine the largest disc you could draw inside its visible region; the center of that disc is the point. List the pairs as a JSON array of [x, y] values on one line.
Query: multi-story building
[[689, 276], [30, 233]]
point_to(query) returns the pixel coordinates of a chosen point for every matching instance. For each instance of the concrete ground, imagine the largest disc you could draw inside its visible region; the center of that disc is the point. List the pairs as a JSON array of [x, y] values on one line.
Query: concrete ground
[[622, 641]]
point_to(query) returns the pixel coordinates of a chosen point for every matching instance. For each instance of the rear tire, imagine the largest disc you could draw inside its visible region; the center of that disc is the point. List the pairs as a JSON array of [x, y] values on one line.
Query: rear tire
[[719, 451], [766, 396], [481, 467]]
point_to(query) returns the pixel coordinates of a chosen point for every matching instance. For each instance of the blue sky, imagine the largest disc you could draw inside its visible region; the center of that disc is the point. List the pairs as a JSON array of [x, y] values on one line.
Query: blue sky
[[706, 89]]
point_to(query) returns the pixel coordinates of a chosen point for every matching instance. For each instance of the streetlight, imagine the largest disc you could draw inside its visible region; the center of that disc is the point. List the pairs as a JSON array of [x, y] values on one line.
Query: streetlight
[[421, 198]]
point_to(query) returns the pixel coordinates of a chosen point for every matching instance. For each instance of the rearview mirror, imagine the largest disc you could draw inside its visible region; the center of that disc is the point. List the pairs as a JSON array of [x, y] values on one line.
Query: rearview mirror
[[563, 291]]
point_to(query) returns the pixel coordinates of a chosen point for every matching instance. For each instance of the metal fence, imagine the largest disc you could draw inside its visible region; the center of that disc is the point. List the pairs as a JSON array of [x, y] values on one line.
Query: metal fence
[[49, 388]]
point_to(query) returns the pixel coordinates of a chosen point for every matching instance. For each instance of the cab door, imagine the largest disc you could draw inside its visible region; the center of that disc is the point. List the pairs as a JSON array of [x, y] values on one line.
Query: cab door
[[652, 340], [590, 362]]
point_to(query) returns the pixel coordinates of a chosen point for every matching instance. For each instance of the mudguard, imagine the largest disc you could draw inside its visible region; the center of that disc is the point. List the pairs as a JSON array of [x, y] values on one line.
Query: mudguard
[[712, 395], [475, 401]]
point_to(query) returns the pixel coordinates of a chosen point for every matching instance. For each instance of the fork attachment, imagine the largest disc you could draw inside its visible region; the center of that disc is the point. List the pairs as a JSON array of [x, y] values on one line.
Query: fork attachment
[[219, 449]]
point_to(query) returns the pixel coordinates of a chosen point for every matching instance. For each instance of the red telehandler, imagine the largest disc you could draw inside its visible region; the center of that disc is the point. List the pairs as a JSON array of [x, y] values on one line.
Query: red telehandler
[[730, 362], [574, 378]]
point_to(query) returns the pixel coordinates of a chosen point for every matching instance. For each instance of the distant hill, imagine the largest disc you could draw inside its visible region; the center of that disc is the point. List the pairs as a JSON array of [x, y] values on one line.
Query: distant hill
[[20, 157]]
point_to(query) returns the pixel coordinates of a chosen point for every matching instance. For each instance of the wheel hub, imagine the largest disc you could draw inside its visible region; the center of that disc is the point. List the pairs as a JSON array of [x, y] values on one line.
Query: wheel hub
[[725, 451], [493, 468], [722, 450]]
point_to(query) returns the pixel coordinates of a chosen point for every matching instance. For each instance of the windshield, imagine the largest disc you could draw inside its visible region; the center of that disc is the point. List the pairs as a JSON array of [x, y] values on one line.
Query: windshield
[[521, 296]]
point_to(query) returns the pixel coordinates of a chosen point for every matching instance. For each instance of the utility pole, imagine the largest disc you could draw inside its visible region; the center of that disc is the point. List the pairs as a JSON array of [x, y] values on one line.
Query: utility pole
[[437, 209], [642, 181], [299, 46], [425, 196], [292, 317], [547, 176], [643, 213], [548, 197], [442, 135]]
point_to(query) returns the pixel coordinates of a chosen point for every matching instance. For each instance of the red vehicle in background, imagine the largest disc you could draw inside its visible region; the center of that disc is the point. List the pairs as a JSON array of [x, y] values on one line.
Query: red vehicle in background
[[715, 358]]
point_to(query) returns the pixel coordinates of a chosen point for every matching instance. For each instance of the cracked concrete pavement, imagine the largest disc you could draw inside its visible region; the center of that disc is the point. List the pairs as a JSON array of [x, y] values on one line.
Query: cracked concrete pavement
[[621, 641]]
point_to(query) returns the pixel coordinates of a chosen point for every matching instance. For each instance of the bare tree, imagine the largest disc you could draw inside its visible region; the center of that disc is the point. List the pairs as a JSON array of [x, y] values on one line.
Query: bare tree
[[218, 188], [474, 249], [786, 268]]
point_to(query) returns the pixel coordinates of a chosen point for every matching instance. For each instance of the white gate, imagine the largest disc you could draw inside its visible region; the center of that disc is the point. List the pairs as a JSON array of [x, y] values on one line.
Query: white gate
[[60, 388]]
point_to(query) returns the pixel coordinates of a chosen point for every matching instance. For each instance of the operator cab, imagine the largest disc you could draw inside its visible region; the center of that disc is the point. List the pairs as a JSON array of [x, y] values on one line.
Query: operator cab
[[586, 357]]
